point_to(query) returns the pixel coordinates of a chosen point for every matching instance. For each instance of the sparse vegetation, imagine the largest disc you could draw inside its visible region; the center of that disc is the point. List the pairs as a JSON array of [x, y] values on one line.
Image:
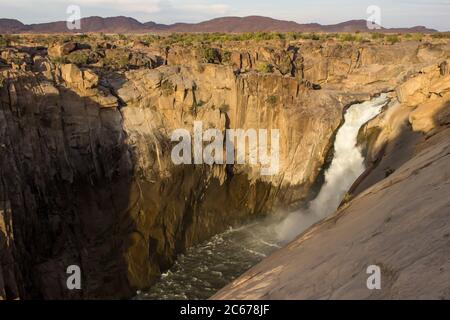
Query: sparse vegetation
[[264, 67], [219, 38], [224, 108], [441, 35], [79, 57], [346, 199], [315, 37], [417, 36], [149, 39], [210, 55], [167, 87], [3, 41], [59, 60], [392, 38], [226, 57], [348, 37], [377, 36], [272, 100], [8, 40], [117, 59]]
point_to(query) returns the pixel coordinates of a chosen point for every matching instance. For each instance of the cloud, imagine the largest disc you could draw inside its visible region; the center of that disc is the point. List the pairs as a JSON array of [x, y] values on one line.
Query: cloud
[[144, 6], [123, 7], [205, 8], [147, 6]]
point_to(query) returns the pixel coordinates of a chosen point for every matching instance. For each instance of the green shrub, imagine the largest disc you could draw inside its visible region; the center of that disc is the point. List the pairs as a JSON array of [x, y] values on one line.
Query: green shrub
[[293, 36], [8, 40], [105, 37], [149, 39], [226, 57], [167, 87], [393, 38], [417, 37], [348, 37], [331, 36], [347, 198], [377, 35], [224, 108], [209, 55], [272, 100], [116, 58], [3, 41], [79, 57], [310, 36], [315, 37], [264, 67], [81, 37]]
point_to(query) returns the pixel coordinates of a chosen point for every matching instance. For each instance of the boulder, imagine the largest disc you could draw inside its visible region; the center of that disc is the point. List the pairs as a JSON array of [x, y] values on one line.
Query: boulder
[[71, 74], [90, 79], [430, 114], [77, 78], [60, 50]]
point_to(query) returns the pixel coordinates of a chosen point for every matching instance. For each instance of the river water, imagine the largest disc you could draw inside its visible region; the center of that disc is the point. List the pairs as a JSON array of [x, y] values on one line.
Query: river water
[[208, 267]]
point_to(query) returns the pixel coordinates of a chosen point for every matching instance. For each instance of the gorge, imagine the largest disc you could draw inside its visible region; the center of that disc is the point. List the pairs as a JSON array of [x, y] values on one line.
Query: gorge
[[228, 255], [87, 176]]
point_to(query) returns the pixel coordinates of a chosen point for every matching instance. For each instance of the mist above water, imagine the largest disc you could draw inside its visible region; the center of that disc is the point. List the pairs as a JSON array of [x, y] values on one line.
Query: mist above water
[[347, 165]]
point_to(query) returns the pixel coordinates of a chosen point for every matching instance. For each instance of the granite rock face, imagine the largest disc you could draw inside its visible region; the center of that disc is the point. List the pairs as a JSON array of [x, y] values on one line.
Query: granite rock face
[[397, 217], [88, 179], [86, 172]]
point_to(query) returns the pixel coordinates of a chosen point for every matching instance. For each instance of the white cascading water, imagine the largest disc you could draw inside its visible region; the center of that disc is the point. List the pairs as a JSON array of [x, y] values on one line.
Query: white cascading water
[[347, 165]]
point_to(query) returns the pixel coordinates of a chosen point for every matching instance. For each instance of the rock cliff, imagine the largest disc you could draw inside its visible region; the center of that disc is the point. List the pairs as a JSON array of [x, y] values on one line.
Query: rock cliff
[[396, 217], [86, 172]]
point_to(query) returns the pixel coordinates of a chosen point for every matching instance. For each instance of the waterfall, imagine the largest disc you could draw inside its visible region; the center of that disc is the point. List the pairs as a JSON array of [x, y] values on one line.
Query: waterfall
[[347, 165]]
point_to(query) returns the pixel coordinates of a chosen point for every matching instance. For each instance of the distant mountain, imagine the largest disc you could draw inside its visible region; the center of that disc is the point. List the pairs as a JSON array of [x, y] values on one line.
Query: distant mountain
[[246, 24], [12, 26], [93, 24], [226, 24]]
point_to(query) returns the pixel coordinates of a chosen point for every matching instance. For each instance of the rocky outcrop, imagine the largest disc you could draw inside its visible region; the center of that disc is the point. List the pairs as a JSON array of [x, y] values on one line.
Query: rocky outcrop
[[86, 173], [415, 115], [343, 66], [396, 217], [61, 50]]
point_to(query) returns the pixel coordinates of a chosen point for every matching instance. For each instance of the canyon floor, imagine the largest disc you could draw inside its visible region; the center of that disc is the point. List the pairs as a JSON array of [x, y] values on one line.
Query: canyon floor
[[87, 177]]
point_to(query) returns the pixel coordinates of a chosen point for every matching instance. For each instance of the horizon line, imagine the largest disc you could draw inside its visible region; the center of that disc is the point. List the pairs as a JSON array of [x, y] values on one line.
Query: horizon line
[[220, 17]]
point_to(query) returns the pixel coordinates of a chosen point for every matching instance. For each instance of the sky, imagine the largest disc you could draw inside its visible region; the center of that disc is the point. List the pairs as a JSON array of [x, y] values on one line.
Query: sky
[[394, 13]]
